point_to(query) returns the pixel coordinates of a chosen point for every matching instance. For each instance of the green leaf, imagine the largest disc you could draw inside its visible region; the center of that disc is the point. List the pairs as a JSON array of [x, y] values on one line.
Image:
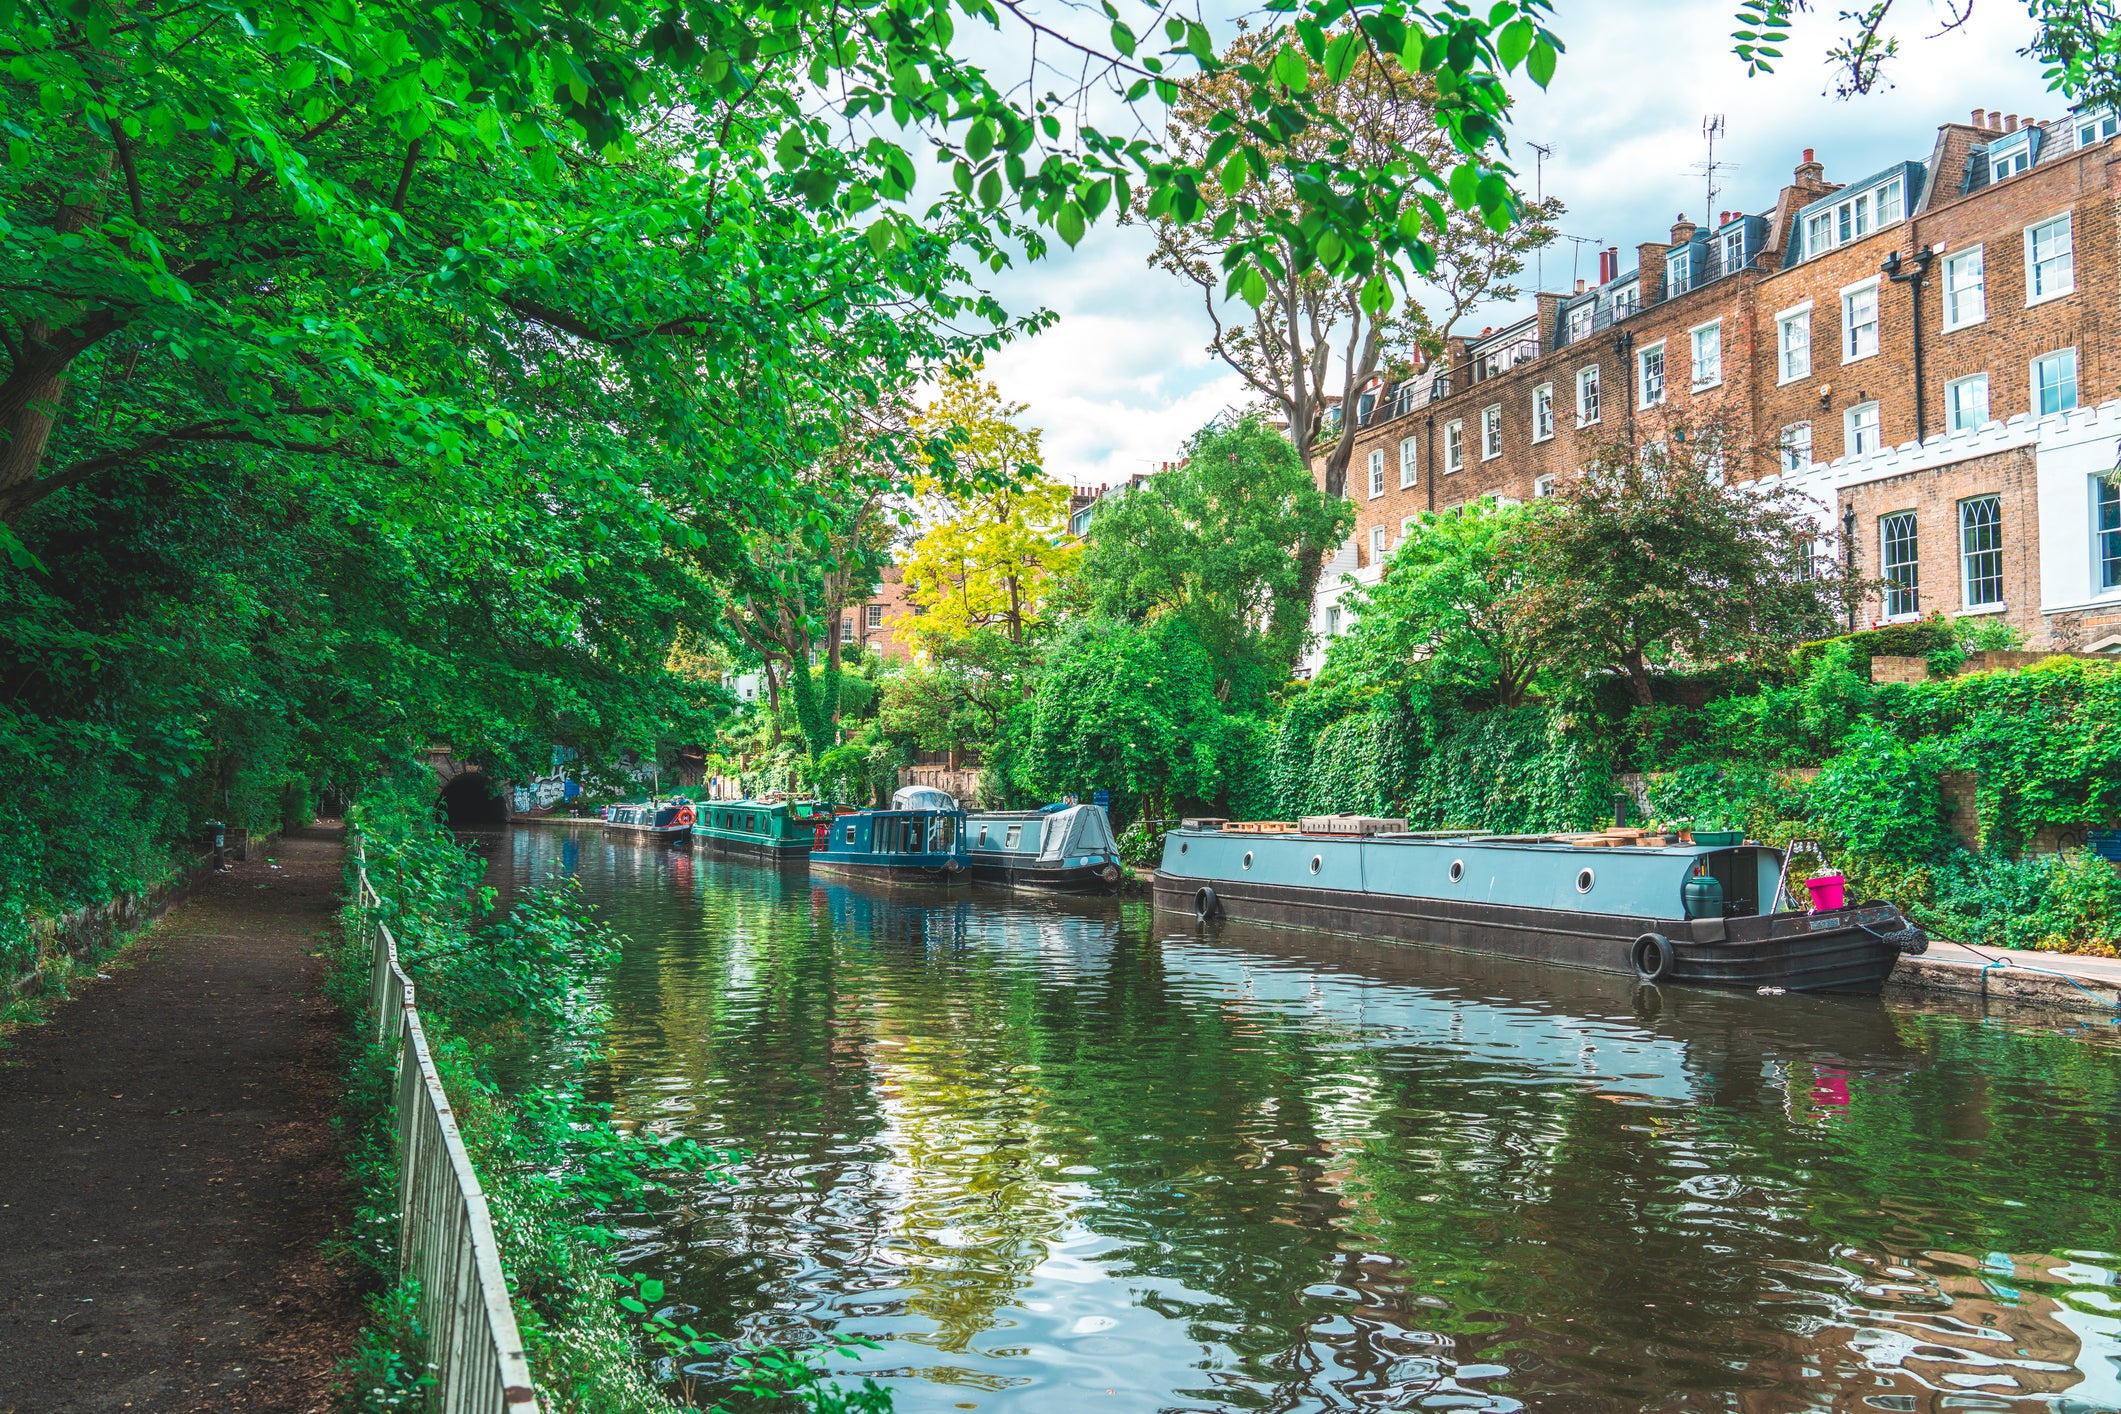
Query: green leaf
[[1341, 55], [1070, 225], [1539, 65], [1515, 42]]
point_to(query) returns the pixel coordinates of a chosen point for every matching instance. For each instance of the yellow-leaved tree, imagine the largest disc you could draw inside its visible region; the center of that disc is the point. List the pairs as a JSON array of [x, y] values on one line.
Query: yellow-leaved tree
[[989, 563]]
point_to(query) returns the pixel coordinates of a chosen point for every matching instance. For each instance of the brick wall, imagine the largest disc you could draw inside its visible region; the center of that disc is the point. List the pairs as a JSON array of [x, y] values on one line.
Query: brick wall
[[891, 606], [1935, 495]]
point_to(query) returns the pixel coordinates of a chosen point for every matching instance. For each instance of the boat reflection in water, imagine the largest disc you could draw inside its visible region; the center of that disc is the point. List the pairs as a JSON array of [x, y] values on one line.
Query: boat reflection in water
[[1049, 1154]]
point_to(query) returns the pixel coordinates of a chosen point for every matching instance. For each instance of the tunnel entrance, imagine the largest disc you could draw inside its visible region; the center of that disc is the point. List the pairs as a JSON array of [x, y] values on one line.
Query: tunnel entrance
[[470, 801]]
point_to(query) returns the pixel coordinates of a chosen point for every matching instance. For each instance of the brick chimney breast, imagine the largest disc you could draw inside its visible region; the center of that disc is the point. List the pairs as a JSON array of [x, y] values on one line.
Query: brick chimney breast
[[1683, 230], [1811, 171]]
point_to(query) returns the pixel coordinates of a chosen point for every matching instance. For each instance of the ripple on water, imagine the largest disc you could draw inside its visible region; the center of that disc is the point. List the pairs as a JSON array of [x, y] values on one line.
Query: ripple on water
[[1042, 1152]]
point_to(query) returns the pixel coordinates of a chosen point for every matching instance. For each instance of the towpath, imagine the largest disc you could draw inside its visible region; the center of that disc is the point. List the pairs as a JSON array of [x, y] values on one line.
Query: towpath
[[168, 1170]]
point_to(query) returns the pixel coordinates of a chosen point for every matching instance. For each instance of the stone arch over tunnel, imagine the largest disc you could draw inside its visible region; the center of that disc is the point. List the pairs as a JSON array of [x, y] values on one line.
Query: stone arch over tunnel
[[471, 800]]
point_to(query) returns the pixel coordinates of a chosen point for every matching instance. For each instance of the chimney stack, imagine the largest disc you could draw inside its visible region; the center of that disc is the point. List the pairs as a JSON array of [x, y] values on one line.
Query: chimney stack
[[1612, 253], [1683, 230], [1811, 171]]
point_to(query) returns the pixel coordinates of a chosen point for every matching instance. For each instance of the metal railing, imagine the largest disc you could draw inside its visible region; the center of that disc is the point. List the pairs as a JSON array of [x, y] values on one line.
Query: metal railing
[[445, 1235]]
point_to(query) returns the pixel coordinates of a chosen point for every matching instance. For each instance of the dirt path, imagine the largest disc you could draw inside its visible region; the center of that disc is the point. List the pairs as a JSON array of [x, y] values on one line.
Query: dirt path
[[168, 1168]]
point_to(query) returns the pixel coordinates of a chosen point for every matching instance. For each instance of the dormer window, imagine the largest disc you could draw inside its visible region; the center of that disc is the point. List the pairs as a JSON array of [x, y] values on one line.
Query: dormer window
[[2095, 128], [1734, 249], [1677, 267], [1853, 217], [1627, 299], [2009, 156], [1580, 320]]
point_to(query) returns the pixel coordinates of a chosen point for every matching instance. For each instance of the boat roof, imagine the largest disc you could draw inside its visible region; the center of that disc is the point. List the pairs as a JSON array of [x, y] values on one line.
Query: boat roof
[[1556, 840]]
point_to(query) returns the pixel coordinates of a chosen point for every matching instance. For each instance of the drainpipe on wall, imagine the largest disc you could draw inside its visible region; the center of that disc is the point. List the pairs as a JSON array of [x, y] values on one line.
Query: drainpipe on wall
[[1624, 347], [1848, 553], [1428, 458], [1913, 280]]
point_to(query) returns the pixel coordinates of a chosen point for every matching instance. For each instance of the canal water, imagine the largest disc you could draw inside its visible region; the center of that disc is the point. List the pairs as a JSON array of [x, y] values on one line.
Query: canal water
[[1056, 1156]]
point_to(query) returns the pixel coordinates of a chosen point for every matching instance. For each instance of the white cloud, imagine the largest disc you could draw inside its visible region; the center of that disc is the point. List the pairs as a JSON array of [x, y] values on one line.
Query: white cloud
[[1121, 380]]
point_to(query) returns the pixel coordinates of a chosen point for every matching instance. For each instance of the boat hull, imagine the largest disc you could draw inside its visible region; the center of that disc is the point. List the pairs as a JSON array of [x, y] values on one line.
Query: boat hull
[[912, 872], [771, 851], [660, 832], [1017, 872], [1832, 953]]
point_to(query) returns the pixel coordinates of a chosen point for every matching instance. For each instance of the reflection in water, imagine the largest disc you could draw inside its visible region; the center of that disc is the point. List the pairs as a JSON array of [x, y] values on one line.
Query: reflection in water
[[1043, 1154]]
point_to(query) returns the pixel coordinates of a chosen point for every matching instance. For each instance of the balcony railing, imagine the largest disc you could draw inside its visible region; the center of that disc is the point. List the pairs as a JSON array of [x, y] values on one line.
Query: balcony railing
[[1490, 363]]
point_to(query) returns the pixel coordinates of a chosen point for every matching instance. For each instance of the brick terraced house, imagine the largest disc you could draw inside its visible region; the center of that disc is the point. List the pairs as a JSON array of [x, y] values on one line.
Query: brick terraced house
[[1931, 354]]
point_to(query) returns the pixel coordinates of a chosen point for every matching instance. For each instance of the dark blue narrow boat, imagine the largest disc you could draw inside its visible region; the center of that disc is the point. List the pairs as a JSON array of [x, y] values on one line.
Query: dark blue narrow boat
[[662, 819], [1667, 912], [920, 840]]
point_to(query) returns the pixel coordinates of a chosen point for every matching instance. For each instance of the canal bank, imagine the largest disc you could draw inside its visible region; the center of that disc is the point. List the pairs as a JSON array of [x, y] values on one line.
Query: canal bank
[[1049, 1151], [169, 1175]]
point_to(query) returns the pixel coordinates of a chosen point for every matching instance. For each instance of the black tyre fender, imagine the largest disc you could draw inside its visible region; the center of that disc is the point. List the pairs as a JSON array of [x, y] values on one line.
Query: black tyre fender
[[1204, 903], [1653, 957]]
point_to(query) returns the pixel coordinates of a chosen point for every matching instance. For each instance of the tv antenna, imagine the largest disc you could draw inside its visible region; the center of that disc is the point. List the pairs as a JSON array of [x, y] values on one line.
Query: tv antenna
[[1576, 258], [1539, 195], [1711, 128]]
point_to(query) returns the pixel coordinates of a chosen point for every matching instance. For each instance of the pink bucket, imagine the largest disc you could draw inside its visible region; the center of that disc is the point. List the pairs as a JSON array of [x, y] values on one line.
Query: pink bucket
[[1827, 892]]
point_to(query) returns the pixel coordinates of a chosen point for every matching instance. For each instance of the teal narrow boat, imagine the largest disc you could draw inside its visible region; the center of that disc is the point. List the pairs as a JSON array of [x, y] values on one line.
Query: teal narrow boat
[[784, 831], [920, 840]]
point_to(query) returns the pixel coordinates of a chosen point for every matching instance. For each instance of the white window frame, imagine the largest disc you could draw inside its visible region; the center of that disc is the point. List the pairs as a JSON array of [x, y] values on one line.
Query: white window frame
[[1642, 375], [1849, 423], [1543, 412], [2106, 567], [2033, 382], [1968, 554], [1849, 342], [1409, 462], [874, 615], [2096, 127], [2068, 286], [1951, 410], [1377, 544], [1542, 486], [2016, 146], [1855, 218], [1731, 249], [1377, 472], [1454, 446], [1407, 527], [1680, 259], [1913, 587], [1578, 325], [1795, 317], [1697, 379], [1587, 380], [1789, 443], [1491, 432], [1332, 631], [1954, 263]]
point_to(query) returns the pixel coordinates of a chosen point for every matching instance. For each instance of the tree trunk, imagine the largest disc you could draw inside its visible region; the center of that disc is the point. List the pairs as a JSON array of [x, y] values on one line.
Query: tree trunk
[[1638, 677]]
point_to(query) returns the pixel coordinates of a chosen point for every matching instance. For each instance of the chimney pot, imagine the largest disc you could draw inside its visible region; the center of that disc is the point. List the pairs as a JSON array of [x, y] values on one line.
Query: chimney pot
[[2010, 123], [1808, 155], [1981, 117], [1579, 284]]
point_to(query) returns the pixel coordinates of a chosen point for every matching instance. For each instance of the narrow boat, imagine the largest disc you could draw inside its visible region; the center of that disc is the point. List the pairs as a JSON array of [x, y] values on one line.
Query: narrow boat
[[783, 831], [1665, 909], [919, 840], [663, 819], [1060, 848]]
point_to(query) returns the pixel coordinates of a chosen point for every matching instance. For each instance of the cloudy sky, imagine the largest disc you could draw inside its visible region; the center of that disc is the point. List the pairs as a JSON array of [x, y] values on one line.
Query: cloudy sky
[[1121, 380]]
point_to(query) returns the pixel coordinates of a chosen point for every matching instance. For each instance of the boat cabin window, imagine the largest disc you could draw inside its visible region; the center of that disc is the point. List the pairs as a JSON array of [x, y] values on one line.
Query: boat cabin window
[[850, 832], [983, 836], [1016, 837]]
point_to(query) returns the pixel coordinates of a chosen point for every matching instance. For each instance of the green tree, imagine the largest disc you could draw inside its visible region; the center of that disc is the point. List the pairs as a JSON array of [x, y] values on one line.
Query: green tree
[[1126, 706], [1001, 541], [1445, 611], [1652, 559], [1220, 541]]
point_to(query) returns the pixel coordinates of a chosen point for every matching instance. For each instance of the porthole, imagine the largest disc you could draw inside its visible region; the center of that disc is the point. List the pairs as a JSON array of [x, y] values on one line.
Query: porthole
[[1182, 846], [1458, 870], [1248, 859], [1316, 860], [1584, 880]]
